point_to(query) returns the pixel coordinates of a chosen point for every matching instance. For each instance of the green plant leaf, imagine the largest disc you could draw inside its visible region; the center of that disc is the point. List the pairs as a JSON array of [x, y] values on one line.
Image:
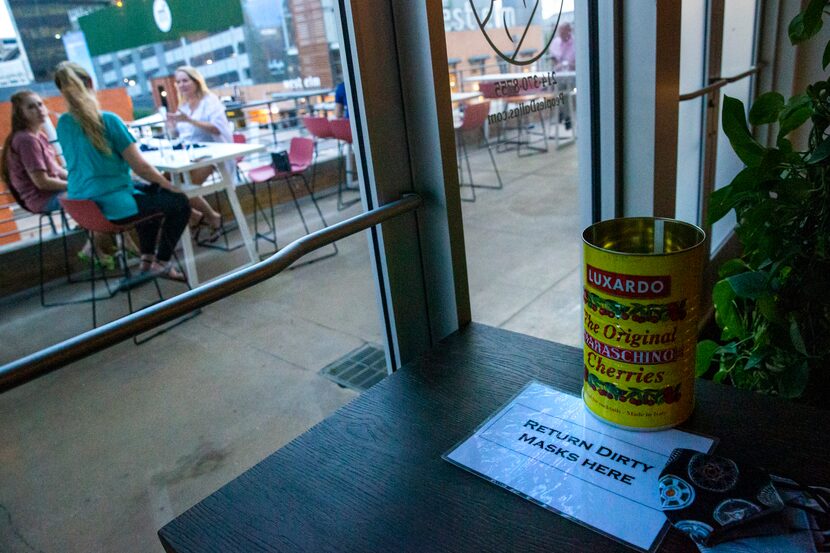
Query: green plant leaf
[[807, 23], [785, 146], [821, 152], [752, 285], [720, 376], [734, 126], [794, 104], [729, 349], [793, 381], [796, 339], [726, 315], [703, 357], [721, 202], [795, 120], [724, 199], [766, 108], [755, 359], [825, 59], [794, 189], [732, 267], [768, 308]]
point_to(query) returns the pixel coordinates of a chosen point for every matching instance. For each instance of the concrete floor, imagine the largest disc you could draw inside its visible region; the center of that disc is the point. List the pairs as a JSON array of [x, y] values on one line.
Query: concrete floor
[[101, 454]]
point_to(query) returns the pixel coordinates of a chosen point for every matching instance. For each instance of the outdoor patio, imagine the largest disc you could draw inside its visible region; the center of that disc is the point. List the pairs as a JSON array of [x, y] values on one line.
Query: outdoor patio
[[101, 454]]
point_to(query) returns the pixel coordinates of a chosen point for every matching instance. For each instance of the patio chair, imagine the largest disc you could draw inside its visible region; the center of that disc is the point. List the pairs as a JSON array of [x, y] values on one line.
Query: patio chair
[[89, 217], [342, 131], [300, 156], [523, 128], [225, 228], [473, 119], [320, 129], [46, 217], [245, 180]]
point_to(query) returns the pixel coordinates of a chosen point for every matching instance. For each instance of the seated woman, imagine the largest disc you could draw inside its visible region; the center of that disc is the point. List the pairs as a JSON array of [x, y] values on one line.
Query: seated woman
[[100, 151], [30, 166], [200, 118]]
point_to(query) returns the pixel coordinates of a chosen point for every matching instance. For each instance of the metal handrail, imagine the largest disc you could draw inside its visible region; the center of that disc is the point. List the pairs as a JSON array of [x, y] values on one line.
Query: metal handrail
[[54, 357], [720, 83]]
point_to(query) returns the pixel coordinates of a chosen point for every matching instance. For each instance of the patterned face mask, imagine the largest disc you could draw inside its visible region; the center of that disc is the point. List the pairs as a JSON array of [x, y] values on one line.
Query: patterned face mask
[[713, 500]]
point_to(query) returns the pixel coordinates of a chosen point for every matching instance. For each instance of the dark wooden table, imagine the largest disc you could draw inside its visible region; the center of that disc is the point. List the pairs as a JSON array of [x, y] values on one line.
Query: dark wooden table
[[371, 478]]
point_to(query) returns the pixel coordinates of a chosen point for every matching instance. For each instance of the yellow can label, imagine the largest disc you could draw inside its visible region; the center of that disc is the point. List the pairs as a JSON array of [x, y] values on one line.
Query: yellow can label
[[640, 328]]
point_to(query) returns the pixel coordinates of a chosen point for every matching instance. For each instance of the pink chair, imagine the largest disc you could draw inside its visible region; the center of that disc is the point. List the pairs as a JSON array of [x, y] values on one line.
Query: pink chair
[[300, 157], [320, 129], [342, 131], [524, 130], [89, 217], [488, 90], [475, 115], [239, 138]]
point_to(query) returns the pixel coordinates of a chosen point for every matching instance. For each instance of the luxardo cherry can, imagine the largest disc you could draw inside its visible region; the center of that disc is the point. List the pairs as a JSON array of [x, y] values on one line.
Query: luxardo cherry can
[[642, 279]]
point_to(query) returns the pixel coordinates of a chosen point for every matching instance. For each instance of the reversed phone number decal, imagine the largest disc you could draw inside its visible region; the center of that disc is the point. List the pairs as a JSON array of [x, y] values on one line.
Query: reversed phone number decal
[[511, 87]]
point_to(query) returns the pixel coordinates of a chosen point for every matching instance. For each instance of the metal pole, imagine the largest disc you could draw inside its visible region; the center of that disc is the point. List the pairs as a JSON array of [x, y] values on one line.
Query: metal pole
[[59, 355]]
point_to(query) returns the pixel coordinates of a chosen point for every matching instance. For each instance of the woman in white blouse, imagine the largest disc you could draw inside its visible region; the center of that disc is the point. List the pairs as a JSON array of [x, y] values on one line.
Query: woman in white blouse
[[200, 118]]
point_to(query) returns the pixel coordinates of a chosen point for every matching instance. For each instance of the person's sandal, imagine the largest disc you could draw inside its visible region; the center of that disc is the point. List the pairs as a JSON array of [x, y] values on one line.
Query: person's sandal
[[146, 263], [196, 228], [215, 234], [215, 230], [168, 271]]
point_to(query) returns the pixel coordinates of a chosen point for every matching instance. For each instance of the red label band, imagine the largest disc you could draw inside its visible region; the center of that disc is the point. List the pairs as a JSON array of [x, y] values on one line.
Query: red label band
[[629, 286], [631, 356]]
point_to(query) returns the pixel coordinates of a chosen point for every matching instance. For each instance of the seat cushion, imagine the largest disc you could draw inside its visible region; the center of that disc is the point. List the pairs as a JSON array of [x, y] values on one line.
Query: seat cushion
[[262, 173]]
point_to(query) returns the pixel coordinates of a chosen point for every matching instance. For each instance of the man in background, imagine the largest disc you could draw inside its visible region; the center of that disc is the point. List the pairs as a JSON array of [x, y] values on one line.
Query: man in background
[[341, 104], [563, 58], [561, 52]]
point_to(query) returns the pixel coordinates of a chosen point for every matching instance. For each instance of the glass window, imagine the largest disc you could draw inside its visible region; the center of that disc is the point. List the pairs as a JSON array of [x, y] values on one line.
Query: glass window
[[136, 435], [691, 112], [738, 56], [514, 98]]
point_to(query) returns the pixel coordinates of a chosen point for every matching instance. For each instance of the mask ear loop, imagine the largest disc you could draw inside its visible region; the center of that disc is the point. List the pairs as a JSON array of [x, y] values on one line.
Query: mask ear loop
[[817, 494], [816, 503]]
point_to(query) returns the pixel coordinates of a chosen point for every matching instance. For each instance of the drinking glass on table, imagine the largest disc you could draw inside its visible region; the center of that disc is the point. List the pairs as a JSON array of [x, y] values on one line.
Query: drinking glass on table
[[186, 148]]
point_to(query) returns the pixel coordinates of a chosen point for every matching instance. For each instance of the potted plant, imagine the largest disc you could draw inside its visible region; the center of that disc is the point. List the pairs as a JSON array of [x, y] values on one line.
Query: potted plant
[[772, 304]]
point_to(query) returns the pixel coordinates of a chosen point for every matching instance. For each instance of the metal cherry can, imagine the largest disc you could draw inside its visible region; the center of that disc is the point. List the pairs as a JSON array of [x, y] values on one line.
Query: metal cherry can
[[642, 279]]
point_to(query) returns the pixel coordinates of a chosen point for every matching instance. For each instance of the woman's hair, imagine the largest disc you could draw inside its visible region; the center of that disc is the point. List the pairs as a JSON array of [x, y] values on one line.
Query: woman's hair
[[19, 123], [75, 85], [194, 75]]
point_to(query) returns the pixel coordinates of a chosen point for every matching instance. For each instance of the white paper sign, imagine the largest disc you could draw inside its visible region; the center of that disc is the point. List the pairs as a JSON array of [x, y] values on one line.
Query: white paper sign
[[544, 445]]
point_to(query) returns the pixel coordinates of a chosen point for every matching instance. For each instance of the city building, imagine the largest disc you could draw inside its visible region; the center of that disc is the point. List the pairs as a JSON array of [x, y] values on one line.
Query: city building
[[42, 24]]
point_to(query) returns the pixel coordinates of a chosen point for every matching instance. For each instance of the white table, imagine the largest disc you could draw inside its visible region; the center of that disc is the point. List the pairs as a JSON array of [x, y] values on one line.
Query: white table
[[150, 120], [179, 165], [565, 81]]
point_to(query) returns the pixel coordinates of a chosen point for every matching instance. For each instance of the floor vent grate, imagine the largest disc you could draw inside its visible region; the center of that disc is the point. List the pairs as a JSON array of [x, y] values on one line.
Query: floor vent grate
[[359, 369]]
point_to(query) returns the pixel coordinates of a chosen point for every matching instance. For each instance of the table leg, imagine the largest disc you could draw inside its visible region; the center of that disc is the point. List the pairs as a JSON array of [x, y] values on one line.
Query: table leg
[[189, 259], [227, 179], [187, 240]]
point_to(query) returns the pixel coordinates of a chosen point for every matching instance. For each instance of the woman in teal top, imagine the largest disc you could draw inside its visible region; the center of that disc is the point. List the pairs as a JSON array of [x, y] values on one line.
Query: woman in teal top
[[100, 152]]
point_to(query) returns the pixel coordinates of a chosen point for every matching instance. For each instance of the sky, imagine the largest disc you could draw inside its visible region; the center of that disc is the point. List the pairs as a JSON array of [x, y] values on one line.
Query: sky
[[6, 27]]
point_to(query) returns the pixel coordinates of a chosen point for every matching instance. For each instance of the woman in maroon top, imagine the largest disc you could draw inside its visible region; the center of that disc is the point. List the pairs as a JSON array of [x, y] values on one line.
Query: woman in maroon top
[[30, 167], [29, 161]]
